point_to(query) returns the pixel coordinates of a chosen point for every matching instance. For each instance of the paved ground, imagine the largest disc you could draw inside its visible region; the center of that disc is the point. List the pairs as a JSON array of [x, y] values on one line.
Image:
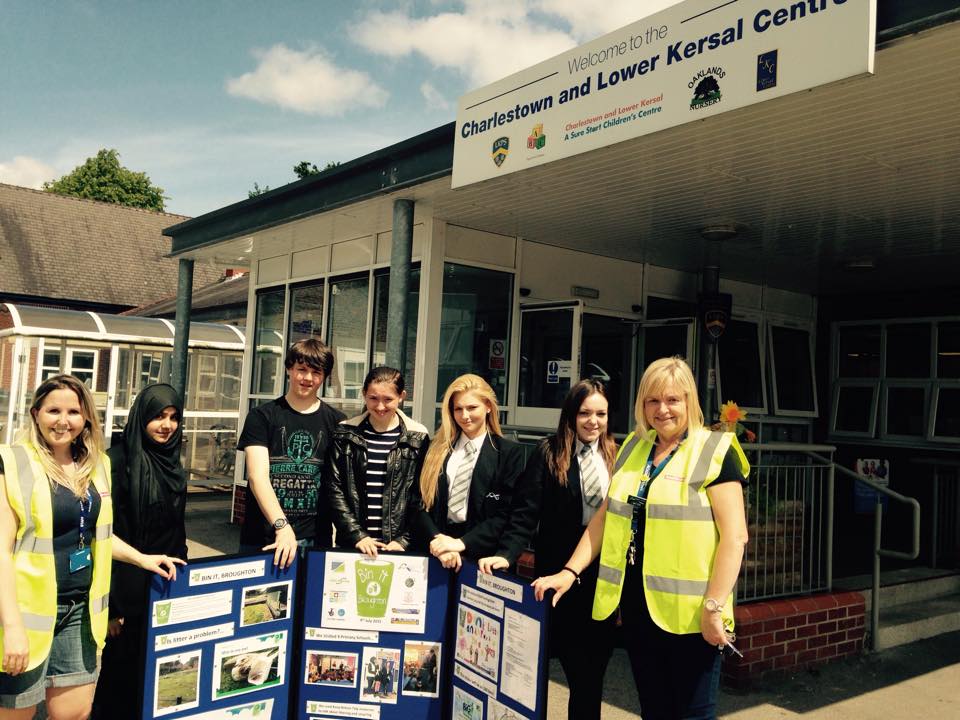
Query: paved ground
[[920, 680]]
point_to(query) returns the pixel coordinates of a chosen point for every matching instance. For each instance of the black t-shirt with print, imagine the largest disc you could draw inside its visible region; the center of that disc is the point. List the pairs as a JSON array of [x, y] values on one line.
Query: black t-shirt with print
[[298, 445]]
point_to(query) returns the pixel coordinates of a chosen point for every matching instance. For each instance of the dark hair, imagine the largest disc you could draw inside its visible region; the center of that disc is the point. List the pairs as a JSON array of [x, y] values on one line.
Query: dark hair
[[384, 374], [310, 352], [559, 447]]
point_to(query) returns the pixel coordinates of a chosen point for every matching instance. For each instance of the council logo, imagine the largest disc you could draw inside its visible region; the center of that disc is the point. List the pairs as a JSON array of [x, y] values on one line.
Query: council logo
[[706, 88], [537, 139], [766, 70], [501, 148]]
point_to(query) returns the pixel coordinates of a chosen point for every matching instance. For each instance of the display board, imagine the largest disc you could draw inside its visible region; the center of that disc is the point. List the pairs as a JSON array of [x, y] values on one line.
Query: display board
[[498, 643], [219, 640], [373, 636]]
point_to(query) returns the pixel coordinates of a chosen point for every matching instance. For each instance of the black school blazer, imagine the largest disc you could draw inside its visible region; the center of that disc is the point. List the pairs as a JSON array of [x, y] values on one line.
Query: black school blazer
[[494, 480]]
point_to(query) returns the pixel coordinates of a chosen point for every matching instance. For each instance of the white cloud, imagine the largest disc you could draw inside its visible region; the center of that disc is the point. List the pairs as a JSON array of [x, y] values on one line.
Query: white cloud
[[490, 39], [306, 81], [26, 172], [435, 99]]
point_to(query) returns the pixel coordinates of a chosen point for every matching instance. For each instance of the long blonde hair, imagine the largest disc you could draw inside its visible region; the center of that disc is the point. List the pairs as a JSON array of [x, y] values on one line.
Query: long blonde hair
[[449, 431], [661, 374], [86, 448]]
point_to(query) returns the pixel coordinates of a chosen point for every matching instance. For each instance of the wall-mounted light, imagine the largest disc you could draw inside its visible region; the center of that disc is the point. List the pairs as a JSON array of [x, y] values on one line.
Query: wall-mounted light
[[524, 292], [719, 232]]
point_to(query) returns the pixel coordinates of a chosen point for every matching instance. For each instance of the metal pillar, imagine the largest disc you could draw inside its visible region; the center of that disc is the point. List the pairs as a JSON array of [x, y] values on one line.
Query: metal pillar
[[401, 250], [707, 378], [181, 336]]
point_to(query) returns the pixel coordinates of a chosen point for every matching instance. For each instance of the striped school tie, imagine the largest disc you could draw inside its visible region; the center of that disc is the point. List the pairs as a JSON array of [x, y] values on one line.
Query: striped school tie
[[592, 493], [461, 483]]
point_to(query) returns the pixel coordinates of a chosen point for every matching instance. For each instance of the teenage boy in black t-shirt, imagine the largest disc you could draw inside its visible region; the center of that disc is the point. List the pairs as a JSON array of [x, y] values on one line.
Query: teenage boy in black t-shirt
[[285, 446]]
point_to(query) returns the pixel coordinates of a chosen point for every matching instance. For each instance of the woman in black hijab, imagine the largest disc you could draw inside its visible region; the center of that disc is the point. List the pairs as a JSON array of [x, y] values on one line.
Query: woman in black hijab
[[149, 498]]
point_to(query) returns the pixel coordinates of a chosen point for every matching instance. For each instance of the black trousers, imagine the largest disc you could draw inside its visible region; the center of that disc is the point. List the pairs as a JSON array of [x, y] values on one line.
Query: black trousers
[[120, 687]]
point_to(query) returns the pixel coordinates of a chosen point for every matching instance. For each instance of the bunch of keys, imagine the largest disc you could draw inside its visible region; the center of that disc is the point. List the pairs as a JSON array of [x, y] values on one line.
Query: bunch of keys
[[730, 637]]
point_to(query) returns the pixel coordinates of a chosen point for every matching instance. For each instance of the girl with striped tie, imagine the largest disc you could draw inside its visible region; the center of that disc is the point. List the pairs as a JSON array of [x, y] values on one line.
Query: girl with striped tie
[[468, 479], [375, 460]]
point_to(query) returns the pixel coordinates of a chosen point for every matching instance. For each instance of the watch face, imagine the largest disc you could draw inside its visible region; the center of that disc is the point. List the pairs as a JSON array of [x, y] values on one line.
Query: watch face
[[279, 524], [712, 605]]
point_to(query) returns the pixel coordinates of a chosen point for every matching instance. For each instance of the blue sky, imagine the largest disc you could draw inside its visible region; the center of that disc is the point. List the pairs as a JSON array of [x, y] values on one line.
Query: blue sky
[[209, 96]]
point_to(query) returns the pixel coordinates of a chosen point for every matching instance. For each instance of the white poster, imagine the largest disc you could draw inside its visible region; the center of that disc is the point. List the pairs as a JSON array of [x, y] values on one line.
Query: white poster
[[259, 710], [188, 609], [499, 711], [385, 594], [521, 643], [695, 59], [249, 664]]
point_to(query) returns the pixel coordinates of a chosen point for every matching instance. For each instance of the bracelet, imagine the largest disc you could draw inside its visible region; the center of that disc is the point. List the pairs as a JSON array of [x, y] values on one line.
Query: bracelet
[[575, 573]]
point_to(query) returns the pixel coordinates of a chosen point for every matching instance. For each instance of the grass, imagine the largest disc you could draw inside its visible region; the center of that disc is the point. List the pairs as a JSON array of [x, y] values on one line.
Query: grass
[[182, 684]]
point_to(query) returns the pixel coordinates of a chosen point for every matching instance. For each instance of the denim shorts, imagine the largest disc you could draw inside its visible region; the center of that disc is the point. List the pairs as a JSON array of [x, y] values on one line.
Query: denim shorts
[[72, 661]]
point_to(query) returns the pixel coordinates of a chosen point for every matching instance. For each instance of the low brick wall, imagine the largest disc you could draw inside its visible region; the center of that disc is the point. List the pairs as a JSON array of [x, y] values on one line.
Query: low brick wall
[[785, 635], [239, 505]]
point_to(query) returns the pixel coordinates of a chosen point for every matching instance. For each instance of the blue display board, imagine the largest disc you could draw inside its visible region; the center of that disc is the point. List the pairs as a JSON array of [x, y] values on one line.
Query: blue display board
[[373, 637], [498, 648], [220, 641]]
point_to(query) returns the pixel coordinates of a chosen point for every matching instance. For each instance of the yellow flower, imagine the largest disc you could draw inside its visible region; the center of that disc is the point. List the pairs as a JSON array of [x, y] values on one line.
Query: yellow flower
[[731, 413]]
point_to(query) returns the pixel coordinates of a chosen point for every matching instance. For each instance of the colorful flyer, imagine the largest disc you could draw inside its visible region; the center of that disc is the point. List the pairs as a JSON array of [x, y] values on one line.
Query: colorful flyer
[[249, 664]]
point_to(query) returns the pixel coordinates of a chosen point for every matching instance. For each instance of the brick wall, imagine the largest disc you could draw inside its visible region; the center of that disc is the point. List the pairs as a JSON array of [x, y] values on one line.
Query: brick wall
[[239, 505], [784, 635]]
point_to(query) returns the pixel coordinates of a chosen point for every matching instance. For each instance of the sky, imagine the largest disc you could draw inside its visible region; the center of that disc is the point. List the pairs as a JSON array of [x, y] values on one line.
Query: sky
[[209, 97]]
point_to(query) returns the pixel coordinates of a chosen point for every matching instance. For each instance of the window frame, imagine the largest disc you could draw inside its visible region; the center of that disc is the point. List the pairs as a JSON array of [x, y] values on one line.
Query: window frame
[[884, 407], [761, 349], [874, 403], [777, 410], [936, 387]]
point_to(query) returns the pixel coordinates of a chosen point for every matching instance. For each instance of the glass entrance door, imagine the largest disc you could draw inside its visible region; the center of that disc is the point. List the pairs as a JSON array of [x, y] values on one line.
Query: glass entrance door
[[549, 361]]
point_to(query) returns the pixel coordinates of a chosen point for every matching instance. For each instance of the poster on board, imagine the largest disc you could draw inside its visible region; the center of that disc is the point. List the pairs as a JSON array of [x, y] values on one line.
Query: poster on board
[[219, 640]]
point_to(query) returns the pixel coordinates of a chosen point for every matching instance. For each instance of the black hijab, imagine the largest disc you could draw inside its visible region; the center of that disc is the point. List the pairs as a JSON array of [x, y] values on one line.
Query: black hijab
[[153, 471]]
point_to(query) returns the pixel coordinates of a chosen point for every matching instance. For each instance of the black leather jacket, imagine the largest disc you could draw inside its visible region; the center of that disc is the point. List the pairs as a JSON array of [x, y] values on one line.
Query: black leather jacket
[[344, 481]]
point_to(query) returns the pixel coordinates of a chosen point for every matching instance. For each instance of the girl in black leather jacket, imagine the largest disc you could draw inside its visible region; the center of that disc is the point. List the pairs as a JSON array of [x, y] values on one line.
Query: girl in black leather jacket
[[375, 460]]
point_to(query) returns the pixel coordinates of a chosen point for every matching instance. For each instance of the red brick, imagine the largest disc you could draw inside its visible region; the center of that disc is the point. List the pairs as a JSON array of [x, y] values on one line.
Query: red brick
[[762, 640], [806, 631], [826, 627], [846, 623], [774, 651], [847, 648], [761, 667], [837, 637], [796, 646], [807, 656], [827, 652], [757, 611], [837, 613], [849, 598], [774, 624], [818, 641], [816, 617], [805, 605], [825, 602], [743, 643], [749, 628], [784, 635], [785, 661], [794, 620], [855, 634]]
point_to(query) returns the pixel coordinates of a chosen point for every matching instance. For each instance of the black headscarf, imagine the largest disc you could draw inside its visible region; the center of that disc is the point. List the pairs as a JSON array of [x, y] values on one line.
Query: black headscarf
[[153, 471]]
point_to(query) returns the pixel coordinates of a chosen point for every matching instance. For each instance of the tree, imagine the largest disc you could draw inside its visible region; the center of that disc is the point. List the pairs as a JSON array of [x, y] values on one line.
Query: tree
[[103, 178], [305, 168], [257, 190]]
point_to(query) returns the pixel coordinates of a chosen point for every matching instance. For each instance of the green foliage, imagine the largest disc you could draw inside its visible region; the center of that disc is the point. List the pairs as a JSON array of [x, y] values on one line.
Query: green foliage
[[257, 190], [305, 169], [103, 178]]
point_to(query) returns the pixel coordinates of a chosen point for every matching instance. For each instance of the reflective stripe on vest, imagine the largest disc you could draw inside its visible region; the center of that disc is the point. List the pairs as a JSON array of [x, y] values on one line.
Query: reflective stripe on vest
[[680, 524], [30, 498]]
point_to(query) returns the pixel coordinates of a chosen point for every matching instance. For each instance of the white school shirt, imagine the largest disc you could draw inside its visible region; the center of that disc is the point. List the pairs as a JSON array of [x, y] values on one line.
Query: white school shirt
[[456, 459], [597, 459]]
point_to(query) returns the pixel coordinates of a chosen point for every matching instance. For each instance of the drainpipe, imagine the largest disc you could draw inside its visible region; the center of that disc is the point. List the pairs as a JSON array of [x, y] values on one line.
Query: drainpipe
[[401, 249], [181, 336]]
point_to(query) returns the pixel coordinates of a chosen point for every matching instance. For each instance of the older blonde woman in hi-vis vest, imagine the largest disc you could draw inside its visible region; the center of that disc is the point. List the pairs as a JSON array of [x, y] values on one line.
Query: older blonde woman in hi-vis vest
[[56, 546], [670, 537]]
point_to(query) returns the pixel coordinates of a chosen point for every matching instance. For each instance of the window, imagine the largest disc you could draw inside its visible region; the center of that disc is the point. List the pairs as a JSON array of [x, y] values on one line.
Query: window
[[268, 350], [948, 350], [83, 364], [855, 409], [855, 395], [908, 350], [905, 408], [740, 375], [347, 336], [946, 413], [793, 380], [51, 362], [306, 312], [476, 312], [859, 354], [381, 304]]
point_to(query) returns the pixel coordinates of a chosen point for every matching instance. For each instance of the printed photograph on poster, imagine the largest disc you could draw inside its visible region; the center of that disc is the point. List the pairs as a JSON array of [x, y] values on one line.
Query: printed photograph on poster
[[331, 668], [380, 679], [478, 641], [498, 711], [247, 665], [421, 668], [466, 706], [387, 593], [259, 710], [177, 685], [265, 603]]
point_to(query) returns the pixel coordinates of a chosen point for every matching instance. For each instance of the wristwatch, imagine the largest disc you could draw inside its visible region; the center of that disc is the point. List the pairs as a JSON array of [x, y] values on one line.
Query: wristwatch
[[712, 605], [280, 523]]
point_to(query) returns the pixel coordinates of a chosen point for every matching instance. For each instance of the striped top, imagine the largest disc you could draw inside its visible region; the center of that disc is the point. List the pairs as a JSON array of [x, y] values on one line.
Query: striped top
[[379, 446]]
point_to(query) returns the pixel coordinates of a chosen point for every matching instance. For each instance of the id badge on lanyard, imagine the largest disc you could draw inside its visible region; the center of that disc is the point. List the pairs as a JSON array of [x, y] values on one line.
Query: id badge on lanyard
[[81, 558], [639, 503]]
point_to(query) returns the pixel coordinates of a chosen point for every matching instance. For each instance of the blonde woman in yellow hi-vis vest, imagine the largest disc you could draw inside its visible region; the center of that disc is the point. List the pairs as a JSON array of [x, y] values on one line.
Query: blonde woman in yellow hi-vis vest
[[56, 547], [670, 537]]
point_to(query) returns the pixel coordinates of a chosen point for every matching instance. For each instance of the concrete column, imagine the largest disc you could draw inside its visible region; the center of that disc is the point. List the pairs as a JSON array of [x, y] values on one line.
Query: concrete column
[[401, 249], [181, 337]]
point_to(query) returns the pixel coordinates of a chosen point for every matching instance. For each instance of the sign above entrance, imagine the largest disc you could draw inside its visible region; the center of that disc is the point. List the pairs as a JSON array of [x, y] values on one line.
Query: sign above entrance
[[690, 61]]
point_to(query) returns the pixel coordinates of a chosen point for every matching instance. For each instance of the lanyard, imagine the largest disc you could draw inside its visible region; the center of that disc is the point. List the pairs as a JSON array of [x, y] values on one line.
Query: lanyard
[[84, 513]]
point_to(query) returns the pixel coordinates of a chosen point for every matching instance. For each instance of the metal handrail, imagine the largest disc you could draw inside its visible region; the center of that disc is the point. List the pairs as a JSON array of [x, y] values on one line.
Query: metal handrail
[[878, 551]]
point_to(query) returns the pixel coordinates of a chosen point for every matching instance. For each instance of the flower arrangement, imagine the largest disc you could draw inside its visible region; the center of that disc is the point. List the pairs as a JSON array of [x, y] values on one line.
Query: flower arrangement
[[730, 417]]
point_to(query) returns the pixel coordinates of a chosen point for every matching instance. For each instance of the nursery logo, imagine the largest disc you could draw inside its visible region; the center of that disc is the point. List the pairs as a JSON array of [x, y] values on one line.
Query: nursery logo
[[706, 88], [501, 148], [537, 140]]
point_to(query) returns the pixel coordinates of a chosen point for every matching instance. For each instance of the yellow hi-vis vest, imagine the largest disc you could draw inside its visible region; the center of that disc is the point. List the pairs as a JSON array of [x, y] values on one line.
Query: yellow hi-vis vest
[[28, 492], [680, 538]]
